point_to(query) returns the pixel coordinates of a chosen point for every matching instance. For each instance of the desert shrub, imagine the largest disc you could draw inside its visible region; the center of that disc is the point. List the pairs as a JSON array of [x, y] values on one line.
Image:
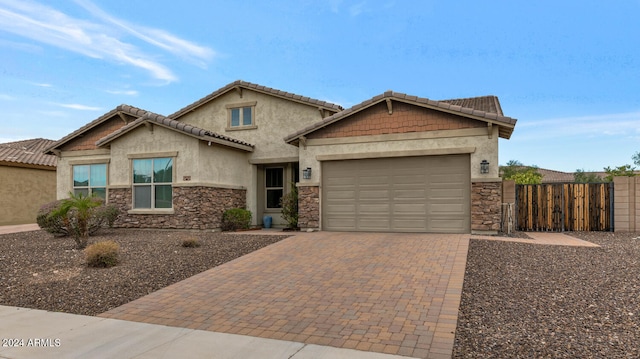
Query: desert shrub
[[236, 218], [102, 254], [289, 203], [52, 222], [191, 242], [80, 216]]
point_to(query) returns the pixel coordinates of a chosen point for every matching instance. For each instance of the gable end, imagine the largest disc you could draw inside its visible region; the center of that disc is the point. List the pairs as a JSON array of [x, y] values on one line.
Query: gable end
[[402, 118]]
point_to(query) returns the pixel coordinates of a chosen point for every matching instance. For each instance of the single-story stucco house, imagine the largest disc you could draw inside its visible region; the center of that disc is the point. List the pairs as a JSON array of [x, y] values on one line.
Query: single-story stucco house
[[394, 162], [28, 178]]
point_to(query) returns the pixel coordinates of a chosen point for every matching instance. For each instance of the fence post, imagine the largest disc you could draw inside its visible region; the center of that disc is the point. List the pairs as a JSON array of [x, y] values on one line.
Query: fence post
[[611, 207]]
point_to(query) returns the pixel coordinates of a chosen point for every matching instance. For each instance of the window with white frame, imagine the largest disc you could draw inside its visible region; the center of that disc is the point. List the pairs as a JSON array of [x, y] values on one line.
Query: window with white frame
[[90, 180], [274, 183], [242, 115], [152, 183]]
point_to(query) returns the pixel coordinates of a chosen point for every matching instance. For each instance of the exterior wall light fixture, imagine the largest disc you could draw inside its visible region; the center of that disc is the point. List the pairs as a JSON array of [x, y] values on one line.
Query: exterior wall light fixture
[[484, 167], [306, 173]]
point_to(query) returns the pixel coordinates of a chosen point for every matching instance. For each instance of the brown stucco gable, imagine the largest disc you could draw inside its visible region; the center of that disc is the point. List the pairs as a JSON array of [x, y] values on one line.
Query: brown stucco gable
[[391, 99], [85, 137], [405, 118]]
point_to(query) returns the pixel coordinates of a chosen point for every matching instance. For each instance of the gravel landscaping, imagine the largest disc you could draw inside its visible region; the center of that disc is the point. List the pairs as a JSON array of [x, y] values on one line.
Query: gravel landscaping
[[519, 300], [534, 301], [40, 271]]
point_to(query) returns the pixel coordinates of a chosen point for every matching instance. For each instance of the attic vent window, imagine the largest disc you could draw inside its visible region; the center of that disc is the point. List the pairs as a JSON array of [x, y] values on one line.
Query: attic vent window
[[241, 116]]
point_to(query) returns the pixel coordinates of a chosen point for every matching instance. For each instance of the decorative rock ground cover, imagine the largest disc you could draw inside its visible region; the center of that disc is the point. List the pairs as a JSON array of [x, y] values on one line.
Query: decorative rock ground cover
[[40, 271]]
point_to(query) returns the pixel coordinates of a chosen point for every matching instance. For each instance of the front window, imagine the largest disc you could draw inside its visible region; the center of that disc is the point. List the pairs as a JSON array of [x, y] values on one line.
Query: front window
[[90, 180], [275, 186], [152, 179]]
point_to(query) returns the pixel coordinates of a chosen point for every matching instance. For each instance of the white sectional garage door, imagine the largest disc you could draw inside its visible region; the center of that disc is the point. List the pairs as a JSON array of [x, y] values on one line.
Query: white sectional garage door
[[403, 194]]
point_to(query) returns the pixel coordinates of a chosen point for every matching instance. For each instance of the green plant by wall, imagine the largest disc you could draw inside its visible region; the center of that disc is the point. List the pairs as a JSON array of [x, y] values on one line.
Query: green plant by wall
[[102, 254], [78, 215], [236, 218], [289, 203]]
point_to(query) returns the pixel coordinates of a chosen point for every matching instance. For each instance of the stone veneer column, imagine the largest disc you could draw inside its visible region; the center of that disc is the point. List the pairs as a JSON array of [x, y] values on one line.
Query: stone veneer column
[[308, 207], [486, 207], [196, 207]]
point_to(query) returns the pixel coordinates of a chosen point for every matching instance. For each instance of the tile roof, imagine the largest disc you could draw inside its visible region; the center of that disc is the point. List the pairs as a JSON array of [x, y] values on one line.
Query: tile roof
[[486, 103], [28, 152], [489, 104], [150, 117], [131, 111], [258, 88]]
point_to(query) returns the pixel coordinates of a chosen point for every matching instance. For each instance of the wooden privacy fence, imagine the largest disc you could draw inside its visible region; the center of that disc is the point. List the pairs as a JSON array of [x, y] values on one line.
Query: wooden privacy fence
[[564, 207]]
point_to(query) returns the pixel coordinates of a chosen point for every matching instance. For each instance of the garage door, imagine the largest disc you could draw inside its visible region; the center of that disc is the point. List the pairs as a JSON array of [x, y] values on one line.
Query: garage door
[[405, 194]]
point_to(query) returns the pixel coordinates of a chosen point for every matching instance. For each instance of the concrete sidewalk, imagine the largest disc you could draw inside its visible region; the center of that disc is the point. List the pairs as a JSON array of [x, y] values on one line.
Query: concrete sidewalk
[[31, 333], [19, 228]]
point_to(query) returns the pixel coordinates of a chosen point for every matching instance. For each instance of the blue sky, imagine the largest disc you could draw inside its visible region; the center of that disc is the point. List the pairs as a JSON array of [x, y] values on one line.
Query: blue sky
[[569, 71]]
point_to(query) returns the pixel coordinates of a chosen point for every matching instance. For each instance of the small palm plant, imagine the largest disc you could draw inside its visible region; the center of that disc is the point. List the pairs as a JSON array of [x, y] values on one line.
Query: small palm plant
[[78, 209]]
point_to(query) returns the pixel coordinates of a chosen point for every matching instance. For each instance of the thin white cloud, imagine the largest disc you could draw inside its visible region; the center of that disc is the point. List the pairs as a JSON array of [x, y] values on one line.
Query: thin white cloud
[[96, 39], [123, 92], [616, 124], [156, 37], [44, 85], [5, 97], [75, 106]]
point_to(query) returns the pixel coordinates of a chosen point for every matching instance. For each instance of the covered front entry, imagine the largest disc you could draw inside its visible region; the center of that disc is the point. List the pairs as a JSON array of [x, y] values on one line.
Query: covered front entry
[[397, 194]]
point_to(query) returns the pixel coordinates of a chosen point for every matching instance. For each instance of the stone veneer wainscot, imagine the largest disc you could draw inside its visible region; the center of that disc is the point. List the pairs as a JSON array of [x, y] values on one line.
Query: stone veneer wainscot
[[486, 206], [196, 207], [309, 207]]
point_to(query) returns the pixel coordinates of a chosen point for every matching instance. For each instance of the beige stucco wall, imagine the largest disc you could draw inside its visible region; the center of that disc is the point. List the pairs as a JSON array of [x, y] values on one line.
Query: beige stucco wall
[[274, 118], [196, 163], [22, 193], [477, 142], [66, 162]]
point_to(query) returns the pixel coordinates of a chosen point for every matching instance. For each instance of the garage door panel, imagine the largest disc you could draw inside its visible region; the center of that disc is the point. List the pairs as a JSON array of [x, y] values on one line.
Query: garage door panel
[[347, 208], [340, 194], [365, 195], [374, 224], [341, 224], [376, 208], [408, 194], [410, 208], [446, 208]]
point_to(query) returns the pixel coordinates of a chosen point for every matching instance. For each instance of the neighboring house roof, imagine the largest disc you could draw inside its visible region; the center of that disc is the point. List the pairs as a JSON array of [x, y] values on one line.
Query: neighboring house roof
[[549, 176], [125, 111], [27, 152], [156, 119], [489, 104], [490, 111], [239, 84]]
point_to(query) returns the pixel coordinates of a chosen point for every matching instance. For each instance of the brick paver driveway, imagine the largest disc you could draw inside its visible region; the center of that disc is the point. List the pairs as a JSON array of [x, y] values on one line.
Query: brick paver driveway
[[380, 292]]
